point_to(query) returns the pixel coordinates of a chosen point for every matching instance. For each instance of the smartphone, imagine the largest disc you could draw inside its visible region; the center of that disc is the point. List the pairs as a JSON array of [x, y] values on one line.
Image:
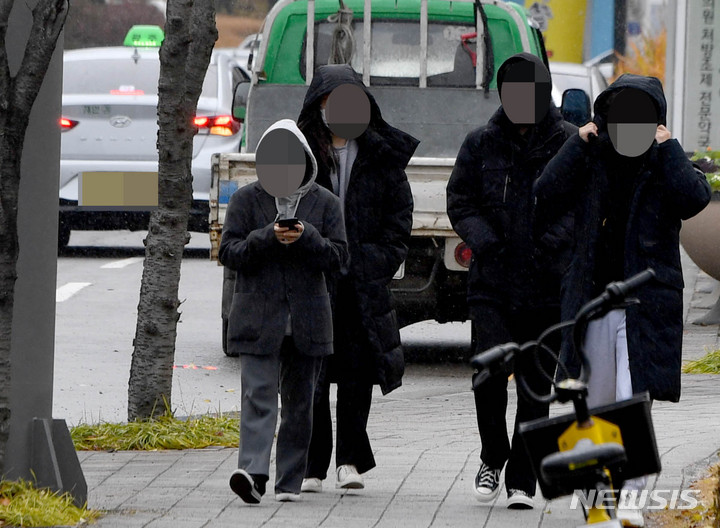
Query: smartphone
[[288, 222]]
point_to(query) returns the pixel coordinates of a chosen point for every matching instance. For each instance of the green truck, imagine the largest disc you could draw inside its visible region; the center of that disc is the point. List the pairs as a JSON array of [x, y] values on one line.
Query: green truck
[[431, 66]]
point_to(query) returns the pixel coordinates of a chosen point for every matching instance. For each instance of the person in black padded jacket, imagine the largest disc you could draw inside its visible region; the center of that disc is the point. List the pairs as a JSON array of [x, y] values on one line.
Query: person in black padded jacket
[[513, 281]]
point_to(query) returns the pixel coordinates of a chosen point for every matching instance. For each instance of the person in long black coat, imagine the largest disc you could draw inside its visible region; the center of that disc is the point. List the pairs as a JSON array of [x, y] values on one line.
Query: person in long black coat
[[629, 194], [643, 199], [513, 280], [368, 173]]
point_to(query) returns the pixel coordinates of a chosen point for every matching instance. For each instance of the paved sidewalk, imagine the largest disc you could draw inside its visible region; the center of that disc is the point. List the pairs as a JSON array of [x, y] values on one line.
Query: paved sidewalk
[[427, 449]]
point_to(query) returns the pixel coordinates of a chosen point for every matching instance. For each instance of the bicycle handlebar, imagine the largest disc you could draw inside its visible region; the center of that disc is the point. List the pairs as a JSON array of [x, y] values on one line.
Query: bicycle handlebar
[[494, 360]]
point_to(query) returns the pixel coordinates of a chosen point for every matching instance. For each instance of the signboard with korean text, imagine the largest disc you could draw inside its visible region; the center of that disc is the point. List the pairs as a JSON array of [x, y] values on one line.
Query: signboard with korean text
[[701, 109]]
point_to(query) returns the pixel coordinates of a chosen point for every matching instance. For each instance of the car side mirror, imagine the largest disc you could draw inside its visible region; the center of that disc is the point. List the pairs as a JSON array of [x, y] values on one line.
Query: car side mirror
[[575, 107], [240, 98]]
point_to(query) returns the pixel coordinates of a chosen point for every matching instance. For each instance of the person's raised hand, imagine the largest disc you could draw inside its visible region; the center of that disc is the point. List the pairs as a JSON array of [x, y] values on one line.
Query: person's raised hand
[[586, 130], [662, 134]]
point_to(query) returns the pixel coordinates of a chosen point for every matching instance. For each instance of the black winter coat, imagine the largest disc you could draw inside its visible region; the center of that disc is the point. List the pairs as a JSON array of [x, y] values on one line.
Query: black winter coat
[[378, 222], [490, 204], [668, 189]]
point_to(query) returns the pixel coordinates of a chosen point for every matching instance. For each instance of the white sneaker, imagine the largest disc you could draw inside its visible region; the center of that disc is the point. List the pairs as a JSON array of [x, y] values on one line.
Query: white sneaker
[[630, 517], [311, 485], [287, 497], [629, 512], [349, 478]]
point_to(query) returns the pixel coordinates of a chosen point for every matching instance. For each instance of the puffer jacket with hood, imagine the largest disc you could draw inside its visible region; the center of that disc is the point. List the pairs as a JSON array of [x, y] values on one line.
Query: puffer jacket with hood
[[378, 218], [489, 202], [277, 283], [663, 188]]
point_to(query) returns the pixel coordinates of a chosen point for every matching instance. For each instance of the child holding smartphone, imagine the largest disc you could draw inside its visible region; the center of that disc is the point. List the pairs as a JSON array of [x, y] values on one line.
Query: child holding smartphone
[[280, 324]]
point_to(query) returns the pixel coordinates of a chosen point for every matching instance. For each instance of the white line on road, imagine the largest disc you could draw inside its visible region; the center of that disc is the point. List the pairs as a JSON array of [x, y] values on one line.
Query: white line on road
[[63, 293], [122, 263]]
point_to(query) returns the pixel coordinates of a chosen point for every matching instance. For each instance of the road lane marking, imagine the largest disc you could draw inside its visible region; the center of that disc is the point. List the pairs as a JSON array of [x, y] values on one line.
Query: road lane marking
[[63, 293], [122, 263]]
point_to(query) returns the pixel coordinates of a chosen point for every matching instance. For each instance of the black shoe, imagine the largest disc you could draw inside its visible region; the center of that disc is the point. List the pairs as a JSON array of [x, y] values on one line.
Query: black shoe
[[519, 500], [487, 483], [242, 483]]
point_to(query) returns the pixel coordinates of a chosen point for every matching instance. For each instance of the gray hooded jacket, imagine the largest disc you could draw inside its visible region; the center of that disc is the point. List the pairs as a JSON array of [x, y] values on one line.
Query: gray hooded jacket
[[276, 281]]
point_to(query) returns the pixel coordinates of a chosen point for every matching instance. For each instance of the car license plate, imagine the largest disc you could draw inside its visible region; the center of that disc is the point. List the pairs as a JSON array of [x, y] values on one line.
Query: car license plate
[[400, 273], [118, 189]]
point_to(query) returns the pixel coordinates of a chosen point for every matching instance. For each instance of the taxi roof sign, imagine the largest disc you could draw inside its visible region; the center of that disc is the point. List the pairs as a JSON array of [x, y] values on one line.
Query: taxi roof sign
[[144, 36]]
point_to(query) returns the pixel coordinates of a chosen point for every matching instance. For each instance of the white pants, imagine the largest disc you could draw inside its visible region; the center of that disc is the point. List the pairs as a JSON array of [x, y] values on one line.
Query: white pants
[[607, 351]]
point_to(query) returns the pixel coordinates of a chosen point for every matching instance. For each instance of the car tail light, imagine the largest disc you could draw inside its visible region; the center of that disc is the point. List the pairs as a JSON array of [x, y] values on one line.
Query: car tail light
[[67, 124], [463, 255], [223, 125]]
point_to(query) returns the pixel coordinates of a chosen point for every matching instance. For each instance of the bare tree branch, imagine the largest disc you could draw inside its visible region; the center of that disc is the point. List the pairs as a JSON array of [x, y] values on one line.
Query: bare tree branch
[[5, 7], [48, 20], [201, 45]]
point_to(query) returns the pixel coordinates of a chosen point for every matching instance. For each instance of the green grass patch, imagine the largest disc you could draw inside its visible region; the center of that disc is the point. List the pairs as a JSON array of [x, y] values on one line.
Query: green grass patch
[[23, 505], [164, 432], [708, 364]]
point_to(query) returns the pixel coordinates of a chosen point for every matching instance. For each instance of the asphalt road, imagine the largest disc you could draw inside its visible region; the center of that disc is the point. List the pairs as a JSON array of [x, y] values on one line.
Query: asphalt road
[[98, 285]]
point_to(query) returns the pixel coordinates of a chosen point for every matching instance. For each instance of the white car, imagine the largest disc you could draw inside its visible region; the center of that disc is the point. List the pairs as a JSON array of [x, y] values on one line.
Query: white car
[[566, 75], [109, 123]]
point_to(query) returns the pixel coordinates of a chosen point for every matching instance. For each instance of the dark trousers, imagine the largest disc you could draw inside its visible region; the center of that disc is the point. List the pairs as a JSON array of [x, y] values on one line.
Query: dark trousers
[[353, 409], [295, 375], [493, 325]]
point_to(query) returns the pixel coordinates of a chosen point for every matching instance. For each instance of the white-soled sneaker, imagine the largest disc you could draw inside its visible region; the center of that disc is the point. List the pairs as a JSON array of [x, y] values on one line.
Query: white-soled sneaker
[[311, 485], [349, 478], [628, 511], [286, 496], [487, 483], [631, 517], [519, 500], [242, 483]]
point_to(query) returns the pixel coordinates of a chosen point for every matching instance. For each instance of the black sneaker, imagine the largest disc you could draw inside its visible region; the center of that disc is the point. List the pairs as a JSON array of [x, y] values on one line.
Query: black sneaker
[[519, 500], [242, 483], [487, 483]]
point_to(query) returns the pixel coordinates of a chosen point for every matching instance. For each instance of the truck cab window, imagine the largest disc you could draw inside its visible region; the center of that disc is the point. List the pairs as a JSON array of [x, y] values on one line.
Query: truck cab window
[[396, 52]]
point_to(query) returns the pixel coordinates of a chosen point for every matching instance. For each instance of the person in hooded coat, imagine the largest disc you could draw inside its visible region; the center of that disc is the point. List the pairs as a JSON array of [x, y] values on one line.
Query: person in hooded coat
[[628, 203], [513, 281], [367, 172], [280, 324]]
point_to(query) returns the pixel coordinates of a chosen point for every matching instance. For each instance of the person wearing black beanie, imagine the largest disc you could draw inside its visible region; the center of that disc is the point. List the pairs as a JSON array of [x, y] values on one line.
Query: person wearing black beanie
[[513, 281]]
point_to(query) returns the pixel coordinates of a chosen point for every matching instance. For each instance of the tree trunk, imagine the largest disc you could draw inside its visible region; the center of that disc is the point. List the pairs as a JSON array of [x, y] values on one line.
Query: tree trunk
[[190, 34], [17, 95]]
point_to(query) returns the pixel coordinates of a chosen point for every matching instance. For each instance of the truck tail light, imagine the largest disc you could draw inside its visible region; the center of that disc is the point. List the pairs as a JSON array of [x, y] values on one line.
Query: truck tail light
[[67, 124], [223, 125], [463, 255]]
